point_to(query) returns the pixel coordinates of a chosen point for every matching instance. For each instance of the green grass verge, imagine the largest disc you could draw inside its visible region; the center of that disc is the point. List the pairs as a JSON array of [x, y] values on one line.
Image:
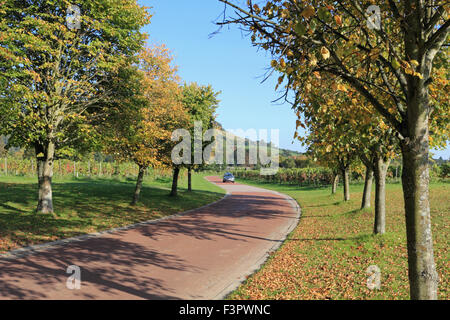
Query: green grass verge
[[327, 255], [90, 205]]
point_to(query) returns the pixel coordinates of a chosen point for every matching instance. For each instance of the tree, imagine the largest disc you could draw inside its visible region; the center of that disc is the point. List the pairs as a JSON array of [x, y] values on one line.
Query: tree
[[148, 108], [332, 143], [389, 59], [201, 103], [339, 120], [335, 181], [56, 75], [287, 162], [176, 174], [373, 141], [167, 113], [367, 192], [3, 148]]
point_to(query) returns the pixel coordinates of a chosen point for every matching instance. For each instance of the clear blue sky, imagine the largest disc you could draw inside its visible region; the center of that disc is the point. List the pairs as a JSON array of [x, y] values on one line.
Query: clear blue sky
[[227, 61]]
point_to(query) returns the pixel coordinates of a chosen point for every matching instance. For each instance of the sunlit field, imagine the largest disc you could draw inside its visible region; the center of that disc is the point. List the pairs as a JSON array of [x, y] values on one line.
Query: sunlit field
[[327, 255]]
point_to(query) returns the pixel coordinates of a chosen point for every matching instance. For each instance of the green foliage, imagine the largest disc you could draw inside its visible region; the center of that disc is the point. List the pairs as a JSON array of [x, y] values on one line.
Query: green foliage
[[201, 103], [63, 167], [445, 170], [52, 77], [302, 176], [299, 161]]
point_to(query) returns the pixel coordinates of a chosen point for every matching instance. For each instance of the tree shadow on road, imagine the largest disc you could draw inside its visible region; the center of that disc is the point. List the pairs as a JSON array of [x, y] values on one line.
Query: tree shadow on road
[[225, 219], [116, 268]]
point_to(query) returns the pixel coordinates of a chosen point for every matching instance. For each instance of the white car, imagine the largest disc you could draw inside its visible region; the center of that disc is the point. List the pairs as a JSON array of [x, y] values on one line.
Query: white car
[[228, 177]]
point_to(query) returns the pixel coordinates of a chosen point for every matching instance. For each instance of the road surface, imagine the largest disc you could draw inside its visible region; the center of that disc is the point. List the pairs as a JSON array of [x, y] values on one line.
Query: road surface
[[202, 254]]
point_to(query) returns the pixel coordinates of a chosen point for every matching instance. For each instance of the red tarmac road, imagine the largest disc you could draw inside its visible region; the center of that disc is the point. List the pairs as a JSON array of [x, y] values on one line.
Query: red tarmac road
[[203, 254]]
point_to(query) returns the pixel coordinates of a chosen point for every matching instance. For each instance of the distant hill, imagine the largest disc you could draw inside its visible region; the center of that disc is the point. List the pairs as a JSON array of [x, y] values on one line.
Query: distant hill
[[282, 152]]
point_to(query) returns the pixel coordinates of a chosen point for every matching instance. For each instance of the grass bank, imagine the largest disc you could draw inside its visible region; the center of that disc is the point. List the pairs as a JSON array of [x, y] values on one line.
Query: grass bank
[[327, 255], [90, 205]]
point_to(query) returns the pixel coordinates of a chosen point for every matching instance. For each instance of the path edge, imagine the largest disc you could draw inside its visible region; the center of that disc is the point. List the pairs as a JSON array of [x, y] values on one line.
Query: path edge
[[259, 263]]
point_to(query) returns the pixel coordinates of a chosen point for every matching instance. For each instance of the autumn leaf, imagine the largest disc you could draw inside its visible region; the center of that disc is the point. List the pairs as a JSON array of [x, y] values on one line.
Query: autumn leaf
[[280, 79], [325, 53], [409, 70], [374, 54], [396, 64], [308, 12]]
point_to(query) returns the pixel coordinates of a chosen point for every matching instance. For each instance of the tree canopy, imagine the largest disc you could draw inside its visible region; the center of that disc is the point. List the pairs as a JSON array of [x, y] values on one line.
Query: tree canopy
[[394, 54], [55, 78]]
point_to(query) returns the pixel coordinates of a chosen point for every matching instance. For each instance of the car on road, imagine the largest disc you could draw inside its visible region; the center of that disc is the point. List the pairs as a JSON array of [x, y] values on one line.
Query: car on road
[[228, 177]]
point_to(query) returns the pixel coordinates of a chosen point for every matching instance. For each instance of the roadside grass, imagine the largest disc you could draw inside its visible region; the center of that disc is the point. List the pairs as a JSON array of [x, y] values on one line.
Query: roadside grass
[[327, 255], [88, 205]]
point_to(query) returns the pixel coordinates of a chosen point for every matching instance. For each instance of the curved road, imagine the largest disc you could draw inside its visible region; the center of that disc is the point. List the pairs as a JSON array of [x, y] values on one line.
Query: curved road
[[202, 254]]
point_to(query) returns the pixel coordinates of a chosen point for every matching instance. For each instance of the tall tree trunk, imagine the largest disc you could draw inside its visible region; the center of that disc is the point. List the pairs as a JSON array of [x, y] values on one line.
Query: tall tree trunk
[[174, 191], [335, 183], [380, 169], [189, 179], [423, 277], [367, 188], [138, 188], [44, 160], [345, 175]]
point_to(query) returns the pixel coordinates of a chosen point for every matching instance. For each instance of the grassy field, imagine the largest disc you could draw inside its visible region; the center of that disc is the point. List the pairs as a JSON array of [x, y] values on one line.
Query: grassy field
[[90, 205], [327, 255]]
